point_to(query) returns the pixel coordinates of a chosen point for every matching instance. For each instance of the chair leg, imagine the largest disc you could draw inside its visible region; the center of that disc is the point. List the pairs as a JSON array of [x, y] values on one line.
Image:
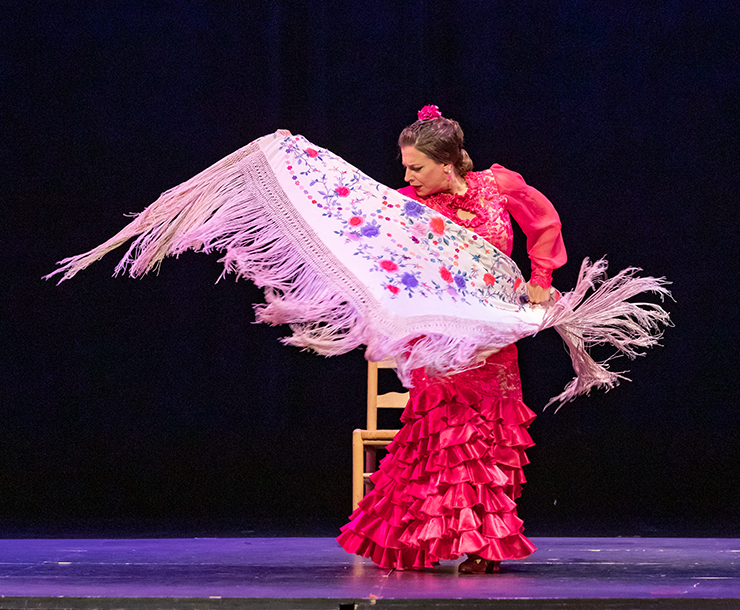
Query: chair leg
[[358, 482]]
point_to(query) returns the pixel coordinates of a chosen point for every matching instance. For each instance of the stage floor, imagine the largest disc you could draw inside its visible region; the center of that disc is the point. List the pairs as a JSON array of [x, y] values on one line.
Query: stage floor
[[315, 573]]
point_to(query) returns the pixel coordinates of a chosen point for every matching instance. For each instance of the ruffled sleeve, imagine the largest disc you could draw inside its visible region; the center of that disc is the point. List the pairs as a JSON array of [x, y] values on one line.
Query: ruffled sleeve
[[538, 219]]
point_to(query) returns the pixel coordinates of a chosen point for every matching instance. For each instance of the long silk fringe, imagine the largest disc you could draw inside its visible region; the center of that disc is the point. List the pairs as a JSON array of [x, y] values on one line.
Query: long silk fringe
[[218, 209], [605, 317], [225, 208]]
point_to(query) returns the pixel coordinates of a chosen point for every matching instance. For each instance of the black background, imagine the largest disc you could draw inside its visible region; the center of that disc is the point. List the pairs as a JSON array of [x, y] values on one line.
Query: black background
[[156, 407]]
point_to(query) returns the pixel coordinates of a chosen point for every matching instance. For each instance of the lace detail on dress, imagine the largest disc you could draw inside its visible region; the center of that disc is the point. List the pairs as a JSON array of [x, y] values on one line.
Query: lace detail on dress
[[541, 277], [484, 200]]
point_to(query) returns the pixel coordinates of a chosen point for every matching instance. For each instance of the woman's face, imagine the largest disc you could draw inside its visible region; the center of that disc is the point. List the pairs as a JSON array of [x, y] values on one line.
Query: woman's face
[[424, 174]]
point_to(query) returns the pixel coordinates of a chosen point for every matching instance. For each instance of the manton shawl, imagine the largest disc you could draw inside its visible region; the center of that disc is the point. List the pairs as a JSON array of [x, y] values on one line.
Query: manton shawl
[[347, 261]]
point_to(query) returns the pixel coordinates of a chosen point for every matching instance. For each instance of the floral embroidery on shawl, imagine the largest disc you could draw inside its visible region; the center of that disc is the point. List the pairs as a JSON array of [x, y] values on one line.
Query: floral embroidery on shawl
[[437, 236]]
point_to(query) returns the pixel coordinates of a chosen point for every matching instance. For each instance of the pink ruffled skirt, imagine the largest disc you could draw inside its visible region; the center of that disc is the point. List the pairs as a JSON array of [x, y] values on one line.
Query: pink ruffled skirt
[[449, 483]]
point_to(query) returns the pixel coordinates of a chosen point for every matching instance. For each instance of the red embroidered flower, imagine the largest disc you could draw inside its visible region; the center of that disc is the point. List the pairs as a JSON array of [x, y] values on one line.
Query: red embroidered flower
[[356, 221], [446, 275], [392, 288], [429, 112], [489, 279], [517, 283], [437, 225], [389, 265], [312, 153], [342, 191]]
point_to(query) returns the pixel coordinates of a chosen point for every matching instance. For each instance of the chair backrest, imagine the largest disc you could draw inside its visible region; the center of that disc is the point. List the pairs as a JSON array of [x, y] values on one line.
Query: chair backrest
[[375, 401]]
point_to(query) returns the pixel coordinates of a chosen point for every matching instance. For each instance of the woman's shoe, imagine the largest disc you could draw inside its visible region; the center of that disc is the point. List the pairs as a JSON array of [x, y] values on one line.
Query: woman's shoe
[[478, 565]]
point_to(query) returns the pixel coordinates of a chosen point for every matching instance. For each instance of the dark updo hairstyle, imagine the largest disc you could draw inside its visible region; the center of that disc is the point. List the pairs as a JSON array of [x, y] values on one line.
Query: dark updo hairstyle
[[441, 140]]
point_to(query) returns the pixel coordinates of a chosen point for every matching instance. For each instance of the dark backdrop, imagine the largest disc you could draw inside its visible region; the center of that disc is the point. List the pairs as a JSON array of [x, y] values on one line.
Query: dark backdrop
[[156, 407]]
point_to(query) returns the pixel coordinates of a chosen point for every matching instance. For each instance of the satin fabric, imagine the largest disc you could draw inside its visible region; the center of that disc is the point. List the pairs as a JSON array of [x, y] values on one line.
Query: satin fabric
[[453, 473]]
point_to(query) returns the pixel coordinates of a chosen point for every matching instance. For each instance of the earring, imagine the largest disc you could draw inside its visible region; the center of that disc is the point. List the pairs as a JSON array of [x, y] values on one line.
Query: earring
[[448, 175]]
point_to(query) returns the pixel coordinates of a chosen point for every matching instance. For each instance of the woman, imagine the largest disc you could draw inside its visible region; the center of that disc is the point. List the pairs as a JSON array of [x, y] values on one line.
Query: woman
[[283, 211], [454, 471]]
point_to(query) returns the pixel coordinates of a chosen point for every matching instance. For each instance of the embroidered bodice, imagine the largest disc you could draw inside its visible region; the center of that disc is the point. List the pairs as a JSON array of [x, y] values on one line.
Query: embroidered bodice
[[490, 220], [493, 196]]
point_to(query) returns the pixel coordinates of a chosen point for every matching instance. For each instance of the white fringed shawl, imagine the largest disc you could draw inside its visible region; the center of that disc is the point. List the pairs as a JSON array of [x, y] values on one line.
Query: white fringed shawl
[[346, 261]]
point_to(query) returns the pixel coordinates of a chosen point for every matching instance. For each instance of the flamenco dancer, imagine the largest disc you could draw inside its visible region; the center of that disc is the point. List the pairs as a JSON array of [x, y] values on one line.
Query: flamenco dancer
[[454, 471], [348, 262]]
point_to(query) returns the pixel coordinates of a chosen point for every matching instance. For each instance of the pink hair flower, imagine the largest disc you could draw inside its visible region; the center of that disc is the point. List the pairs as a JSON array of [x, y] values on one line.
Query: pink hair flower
[[429, 113]]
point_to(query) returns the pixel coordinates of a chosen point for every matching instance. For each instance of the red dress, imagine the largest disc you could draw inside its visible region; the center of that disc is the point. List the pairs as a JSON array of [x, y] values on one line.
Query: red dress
[[449, 483]]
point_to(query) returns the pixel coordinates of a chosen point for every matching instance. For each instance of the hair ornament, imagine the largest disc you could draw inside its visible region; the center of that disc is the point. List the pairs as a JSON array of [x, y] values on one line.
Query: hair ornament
[[429, 113]]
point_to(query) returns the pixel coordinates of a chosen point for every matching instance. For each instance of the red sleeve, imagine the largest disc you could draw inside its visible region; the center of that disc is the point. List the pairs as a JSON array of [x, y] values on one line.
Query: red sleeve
[[538, 219]]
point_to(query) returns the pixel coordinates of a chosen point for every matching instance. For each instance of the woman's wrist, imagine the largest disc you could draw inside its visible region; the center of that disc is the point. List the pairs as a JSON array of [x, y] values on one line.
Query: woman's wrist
[[541, 277]]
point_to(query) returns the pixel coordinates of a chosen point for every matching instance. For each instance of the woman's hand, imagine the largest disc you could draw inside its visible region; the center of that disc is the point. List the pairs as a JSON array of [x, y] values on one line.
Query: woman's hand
[[284, 132], [537, 294]]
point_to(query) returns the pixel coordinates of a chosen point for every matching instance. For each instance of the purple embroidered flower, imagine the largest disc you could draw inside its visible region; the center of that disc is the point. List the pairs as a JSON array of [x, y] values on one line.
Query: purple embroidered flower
[[414, 239], [409, 280], [370, 230], [460, 281], [413, 209]]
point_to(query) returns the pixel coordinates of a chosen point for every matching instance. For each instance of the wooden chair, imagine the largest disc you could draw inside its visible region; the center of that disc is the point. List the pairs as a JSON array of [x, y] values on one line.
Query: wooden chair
[[365, 443]]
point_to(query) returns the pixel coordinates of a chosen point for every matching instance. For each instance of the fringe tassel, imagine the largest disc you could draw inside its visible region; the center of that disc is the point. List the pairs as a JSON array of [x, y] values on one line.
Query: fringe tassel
[[605, 317], [231, 207], [441, 355], [162, 228]]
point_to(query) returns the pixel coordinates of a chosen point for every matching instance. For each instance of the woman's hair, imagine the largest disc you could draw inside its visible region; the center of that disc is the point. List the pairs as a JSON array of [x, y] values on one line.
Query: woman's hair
[[441, 140]]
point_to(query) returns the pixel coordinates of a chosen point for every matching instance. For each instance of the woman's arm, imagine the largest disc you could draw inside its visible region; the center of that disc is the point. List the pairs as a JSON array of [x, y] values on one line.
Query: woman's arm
[[540, 222]]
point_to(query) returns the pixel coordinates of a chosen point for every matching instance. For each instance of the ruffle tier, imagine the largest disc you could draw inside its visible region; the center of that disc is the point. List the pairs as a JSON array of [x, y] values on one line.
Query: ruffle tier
[[453, 472]]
